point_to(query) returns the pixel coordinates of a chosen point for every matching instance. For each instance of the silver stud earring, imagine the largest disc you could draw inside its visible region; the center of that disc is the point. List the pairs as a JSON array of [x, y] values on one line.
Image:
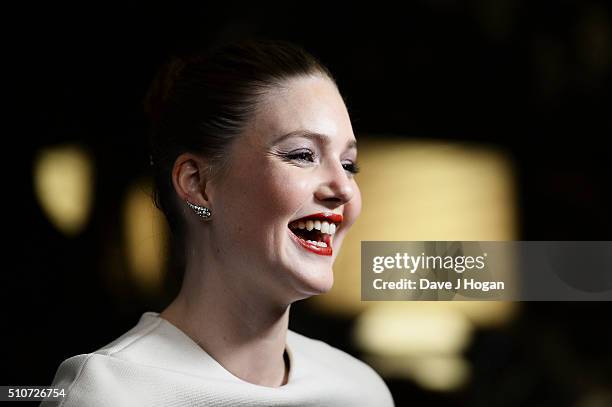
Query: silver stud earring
[[201, 211]]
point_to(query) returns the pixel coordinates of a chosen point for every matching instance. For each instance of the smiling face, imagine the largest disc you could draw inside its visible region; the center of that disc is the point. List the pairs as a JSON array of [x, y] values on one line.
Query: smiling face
[[296, 160]]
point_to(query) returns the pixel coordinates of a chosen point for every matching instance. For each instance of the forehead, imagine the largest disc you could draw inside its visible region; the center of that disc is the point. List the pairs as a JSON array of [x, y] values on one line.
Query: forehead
[[305, 103]]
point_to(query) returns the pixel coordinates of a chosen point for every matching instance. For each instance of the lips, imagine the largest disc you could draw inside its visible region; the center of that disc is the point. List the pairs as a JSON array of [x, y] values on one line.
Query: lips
[[329, 216], [314, 232]]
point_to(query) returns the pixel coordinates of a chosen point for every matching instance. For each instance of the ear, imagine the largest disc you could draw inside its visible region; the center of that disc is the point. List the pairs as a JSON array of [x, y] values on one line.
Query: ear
[[189, 176]]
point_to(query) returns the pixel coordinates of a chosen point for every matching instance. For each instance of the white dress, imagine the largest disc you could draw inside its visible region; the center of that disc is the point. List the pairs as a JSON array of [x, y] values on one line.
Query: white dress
[[156, 364]]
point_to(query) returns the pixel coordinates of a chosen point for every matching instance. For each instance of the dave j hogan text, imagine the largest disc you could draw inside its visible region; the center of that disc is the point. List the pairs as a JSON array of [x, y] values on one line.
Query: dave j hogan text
[[463, 284]]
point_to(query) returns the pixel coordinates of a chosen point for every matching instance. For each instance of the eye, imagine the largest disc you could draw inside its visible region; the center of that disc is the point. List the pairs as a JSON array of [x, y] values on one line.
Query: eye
[[302, 155], [351, 167]]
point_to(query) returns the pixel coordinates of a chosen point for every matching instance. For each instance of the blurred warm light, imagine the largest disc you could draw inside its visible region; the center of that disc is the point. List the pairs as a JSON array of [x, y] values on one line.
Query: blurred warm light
[[424, 190], [482, 313], [424, 340], [145, 237], [63, 185], [399, 329], [441, 373]]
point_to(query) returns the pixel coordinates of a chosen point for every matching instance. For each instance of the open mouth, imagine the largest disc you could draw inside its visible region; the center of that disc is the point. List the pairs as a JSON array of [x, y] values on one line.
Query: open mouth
[[315, 232]]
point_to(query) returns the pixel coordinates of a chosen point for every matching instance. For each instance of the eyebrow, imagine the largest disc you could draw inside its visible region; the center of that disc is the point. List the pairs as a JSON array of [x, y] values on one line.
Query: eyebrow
[[322, 138]]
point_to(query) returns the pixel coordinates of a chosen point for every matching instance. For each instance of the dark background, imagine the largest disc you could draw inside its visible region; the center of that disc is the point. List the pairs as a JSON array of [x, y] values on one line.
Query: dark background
[[530, 77]]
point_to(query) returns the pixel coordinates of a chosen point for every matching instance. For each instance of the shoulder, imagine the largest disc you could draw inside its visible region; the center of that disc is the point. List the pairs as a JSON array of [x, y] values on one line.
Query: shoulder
[[97, 378], [340, 364], [90, 379]]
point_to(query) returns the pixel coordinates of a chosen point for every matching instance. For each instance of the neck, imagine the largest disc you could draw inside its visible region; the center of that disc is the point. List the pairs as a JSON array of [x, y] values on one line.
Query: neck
[[234, 324]]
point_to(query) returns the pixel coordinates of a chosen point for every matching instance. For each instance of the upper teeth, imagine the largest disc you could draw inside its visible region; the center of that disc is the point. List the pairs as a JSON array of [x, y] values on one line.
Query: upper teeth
[[309, 224]]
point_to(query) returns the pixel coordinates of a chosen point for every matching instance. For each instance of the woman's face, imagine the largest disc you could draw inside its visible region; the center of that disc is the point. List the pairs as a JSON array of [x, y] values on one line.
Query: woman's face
[[291, 171]]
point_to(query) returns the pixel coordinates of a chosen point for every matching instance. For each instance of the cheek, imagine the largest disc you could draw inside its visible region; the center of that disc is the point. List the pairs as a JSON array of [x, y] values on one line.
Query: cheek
[[268, 200], [282, 192]]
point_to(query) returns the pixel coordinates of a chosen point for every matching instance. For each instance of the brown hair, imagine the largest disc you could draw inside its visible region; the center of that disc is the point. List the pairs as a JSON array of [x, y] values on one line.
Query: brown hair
[[202, 102]]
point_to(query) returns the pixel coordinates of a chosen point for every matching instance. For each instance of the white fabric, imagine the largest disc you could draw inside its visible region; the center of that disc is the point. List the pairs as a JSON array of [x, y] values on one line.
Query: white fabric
[[156, 364]]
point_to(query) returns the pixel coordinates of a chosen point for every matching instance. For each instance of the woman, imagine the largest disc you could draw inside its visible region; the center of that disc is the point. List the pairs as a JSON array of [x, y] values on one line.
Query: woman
[[254, 160]]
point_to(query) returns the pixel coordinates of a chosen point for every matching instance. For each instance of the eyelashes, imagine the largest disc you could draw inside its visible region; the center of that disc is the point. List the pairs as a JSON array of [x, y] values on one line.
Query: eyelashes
[[301, 155], [307, 156], [352, 167]]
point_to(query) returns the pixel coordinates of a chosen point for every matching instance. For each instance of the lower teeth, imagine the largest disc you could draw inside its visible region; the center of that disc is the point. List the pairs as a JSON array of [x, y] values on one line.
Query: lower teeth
[[318, 244]]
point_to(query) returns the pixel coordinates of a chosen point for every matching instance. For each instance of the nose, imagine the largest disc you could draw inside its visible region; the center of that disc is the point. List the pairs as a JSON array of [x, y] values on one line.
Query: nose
[[337, 187]]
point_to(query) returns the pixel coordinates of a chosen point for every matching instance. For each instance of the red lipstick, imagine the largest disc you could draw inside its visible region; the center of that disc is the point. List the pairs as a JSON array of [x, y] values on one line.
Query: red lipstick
[[323, 251], [329, 217]]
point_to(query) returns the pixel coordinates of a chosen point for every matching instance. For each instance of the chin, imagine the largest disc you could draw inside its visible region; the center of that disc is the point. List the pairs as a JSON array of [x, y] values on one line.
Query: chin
[[318, 283]]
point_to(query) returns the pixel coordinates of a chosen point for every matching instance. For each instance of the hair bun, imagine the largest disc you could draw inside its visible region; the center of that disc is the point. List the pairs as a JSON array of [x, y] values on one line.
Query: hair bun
[[161, 88]]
